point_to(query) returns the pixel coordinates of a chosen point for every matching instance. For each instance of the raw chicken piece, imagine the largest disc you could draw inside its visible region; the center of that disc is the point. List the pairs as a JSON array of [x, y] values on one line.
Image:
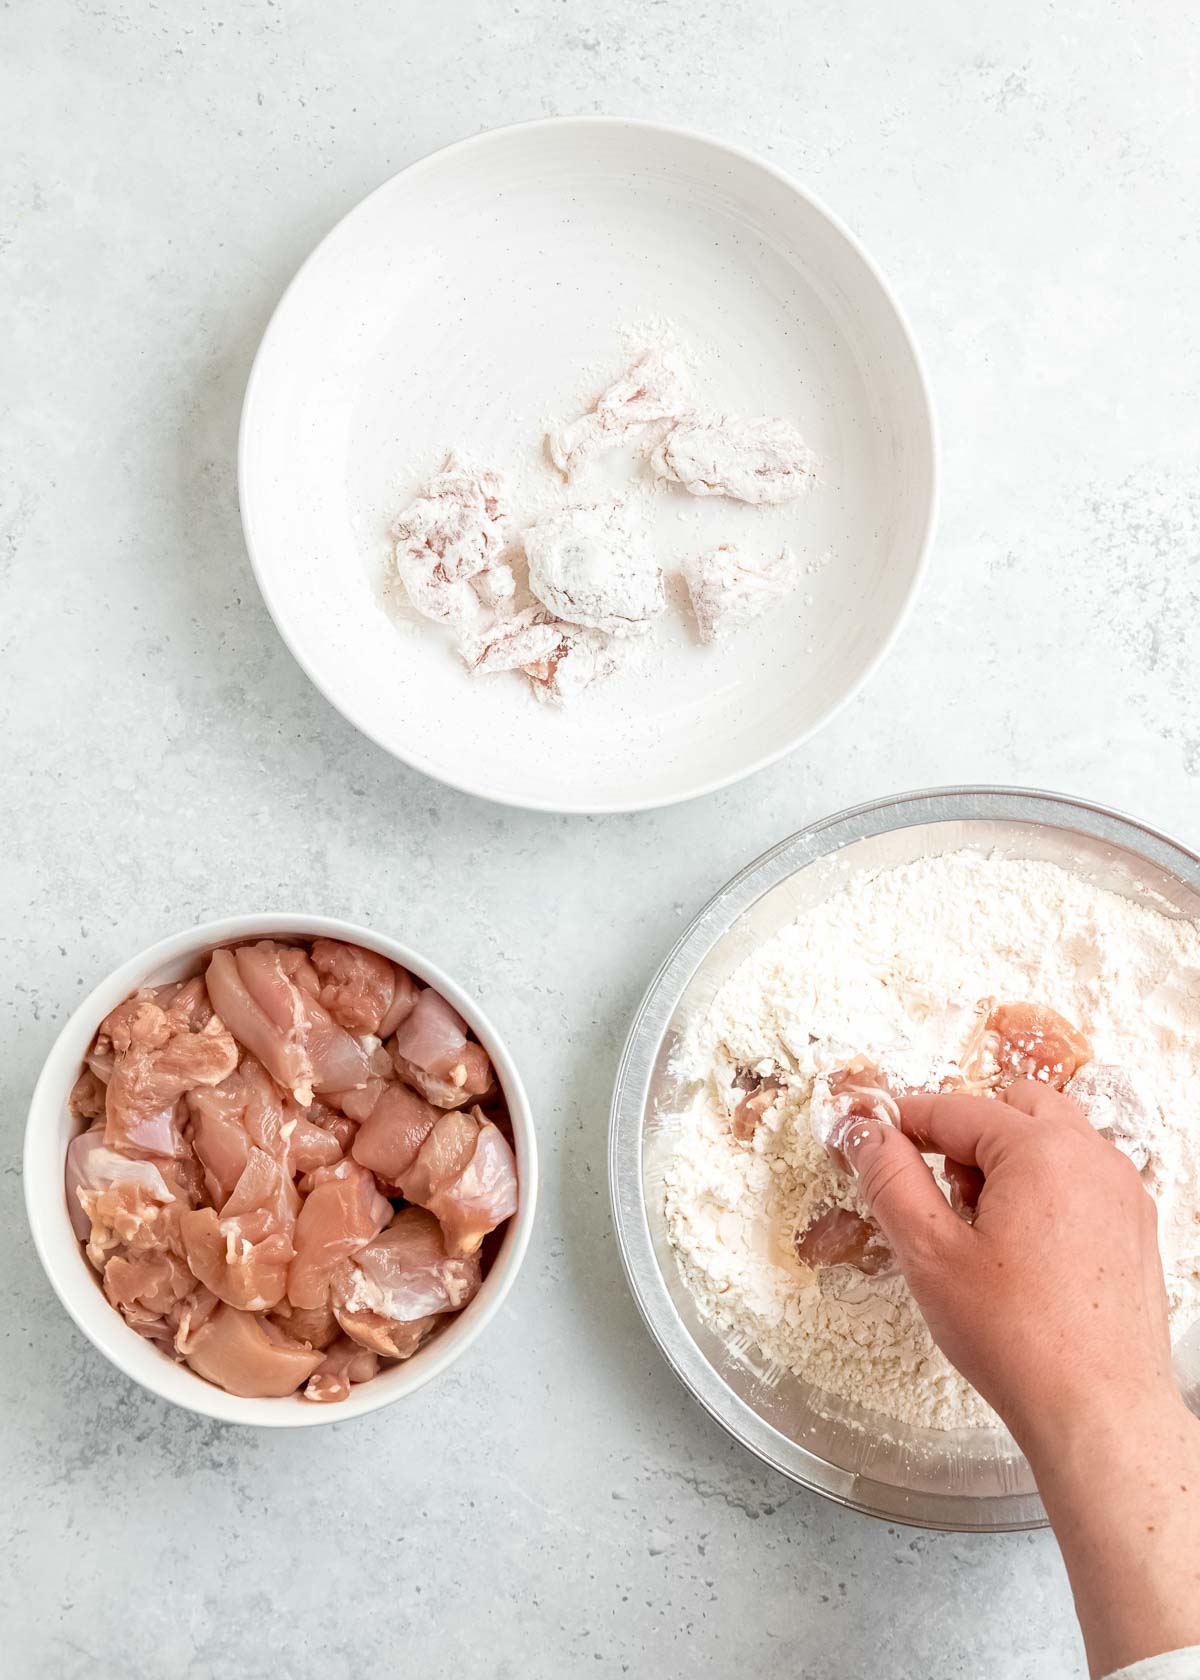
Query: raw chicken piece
[[1025, 1041], [245, 1354], [280, 1048], [358, 1102], [859, 1091], [258, 988], [309, 1146], [729, 589], [88, 1096], [755, 1093], [390, 1136], [400, 1283], [147, 1288], [510, 644], [363, 991], [342, 1127], [157, 1055], [594, 566], [652, 390], [759, 461], [449, 536], [245, 1110], [433, 1054], [243, 1254], [465, 1174], [345, 1362], [342, 1211], [583, 657], [840, 1237], [115, 1200]]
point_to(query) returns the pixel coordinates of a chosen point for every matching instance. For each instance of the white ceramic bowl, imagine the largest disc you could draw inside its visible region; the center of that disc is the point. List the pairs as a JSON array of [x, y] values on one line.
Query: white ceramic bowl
[[485, 289], [51, 1126]]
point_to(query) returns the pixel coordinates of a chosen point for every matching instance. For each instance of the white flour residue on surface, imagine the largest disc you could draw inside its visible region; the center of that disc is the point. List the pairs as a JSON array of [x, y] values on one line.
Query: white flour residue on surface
[[894, 967]]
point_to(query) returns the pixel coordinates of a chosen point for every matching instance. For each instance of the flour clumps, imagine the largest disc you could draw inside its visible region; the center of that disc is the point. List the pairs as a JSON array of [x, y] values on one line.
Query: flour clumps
[[894, 967]]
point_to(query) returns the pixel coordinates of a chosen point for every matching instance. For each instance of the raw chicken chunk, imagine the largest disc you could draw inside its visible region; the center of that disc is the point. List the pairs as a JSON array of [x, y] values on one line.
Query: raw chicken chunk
[[341, 1212], [389, 1138], [157, 1055], [243, 1253], [729, 589], [244, 1111], [758, 461], [395, 1288], [364, 992], [652, 390], [465, 1174], [453, 534], [345, 1362], [116, 1201], [432, 1053], [1024, 1041], [594, 566], [315, 1325], [245, 1354], [752, 1095], [840, 1237]]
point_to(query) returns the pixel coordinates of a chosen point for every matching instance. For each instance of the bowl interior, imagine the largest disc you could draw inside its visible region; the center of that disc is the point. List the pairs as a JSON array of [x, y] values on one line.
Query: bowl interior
[[51, 1127], [486, 289], [956, 1478]]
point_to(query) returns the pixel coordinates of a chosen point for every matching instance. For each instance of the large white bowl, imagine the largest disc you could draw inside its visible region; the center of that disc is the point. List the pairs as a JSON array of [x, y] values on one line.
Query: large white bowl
[[51, 1127], [482, 290]]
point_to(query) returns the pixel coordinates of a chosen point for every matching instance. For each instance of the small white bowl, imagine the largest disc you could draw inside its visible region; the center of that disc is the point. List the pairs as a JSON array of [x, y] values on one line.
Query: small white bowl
[[51, 1127], [488, 287]]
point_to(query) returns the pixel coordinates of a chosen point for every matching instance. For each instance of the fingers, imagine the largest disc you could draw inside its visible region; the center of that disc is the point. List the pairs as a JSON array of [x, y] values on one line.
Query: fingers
[[900, 1191], [1043, 1102], [972, 1130]]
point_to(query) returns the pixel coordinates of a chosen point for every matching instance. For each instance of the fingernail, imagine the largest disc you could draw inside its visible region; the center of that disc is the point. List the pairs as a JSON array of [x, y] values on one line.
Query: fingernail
[[862, 1138]]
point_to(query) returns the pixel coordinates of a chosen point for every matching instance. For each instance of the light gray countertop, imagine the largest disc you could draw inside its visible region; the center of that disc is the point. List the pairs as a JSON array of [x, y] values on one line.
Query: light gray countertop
[[1026, 177]]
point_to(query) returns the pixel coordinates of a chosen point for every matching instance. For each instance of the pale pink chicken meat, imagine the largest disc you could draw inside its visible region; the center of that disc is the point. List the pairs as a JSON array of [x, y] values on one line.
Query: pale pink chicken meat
[[388, 1295], [839, 1236], [345, 1362], [761, 461], [245, 1354], [364, 992], [389, 1138], [433, 1054], [229, 1201], [341, 1213], [158, 1055], [465, 1174]]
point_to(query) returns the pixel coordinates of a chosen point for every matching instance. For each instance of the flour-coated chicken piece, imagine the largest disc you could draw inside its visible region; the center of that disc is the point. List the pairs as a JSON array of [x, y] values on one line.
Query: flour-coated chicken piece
[[652, 390], [729, 587], [581, 659], [758, 461], [594, 566], [451, 537]]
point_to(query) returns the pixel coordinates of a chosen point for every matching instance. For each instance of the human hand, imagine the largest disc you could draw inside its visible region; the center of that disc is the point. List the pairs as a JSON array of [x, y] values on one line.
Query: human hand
[[1052, 1303]]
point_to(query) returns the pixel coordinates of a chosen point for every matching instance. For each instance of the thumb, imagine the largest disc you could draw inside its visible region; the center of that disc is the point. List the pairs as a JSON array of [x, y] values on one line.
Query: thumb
[[901, 1192]]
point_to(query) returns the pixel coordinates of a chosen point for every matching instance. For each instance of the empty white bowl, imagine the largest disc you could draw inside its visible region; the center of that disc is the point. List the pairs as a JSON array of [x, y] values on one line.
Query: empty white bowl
[[488, 288], [51, 1127]]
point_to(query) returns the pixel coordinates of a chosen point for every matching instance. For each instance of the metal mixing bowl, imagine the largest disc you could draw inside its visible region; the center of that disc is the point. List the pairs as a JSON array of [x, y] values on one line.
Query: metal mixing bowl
[[950, 1479]]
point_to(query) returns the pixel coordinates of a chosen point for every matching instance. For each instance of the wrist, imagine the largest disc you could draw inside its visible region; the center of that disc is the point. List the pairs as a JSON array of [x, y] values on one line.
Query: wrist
[[1098, 1424]]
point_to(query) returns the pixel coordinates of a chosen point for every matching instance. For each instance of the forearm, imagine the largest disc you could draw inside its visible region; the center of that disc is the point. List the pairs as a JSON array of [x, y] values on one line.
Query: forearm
[[1121, 1486]]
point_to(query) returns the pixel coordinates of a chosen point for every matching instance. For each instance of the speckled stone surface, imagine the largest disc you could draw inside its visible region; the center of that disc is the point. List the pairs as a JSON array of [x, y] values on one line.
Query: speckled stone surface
[[1026, 176]]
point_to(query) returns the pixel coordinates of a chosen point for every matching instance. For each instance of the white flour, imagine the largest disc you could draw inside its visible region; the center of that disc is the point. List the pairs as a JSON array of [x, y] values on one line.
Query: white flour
[[894, 967]]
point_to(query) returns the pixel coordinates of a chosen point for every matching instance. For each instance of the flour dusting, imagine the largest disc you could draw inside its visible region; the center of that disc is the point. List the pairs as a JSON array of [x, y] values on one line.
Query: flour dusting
[[894, 967]]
